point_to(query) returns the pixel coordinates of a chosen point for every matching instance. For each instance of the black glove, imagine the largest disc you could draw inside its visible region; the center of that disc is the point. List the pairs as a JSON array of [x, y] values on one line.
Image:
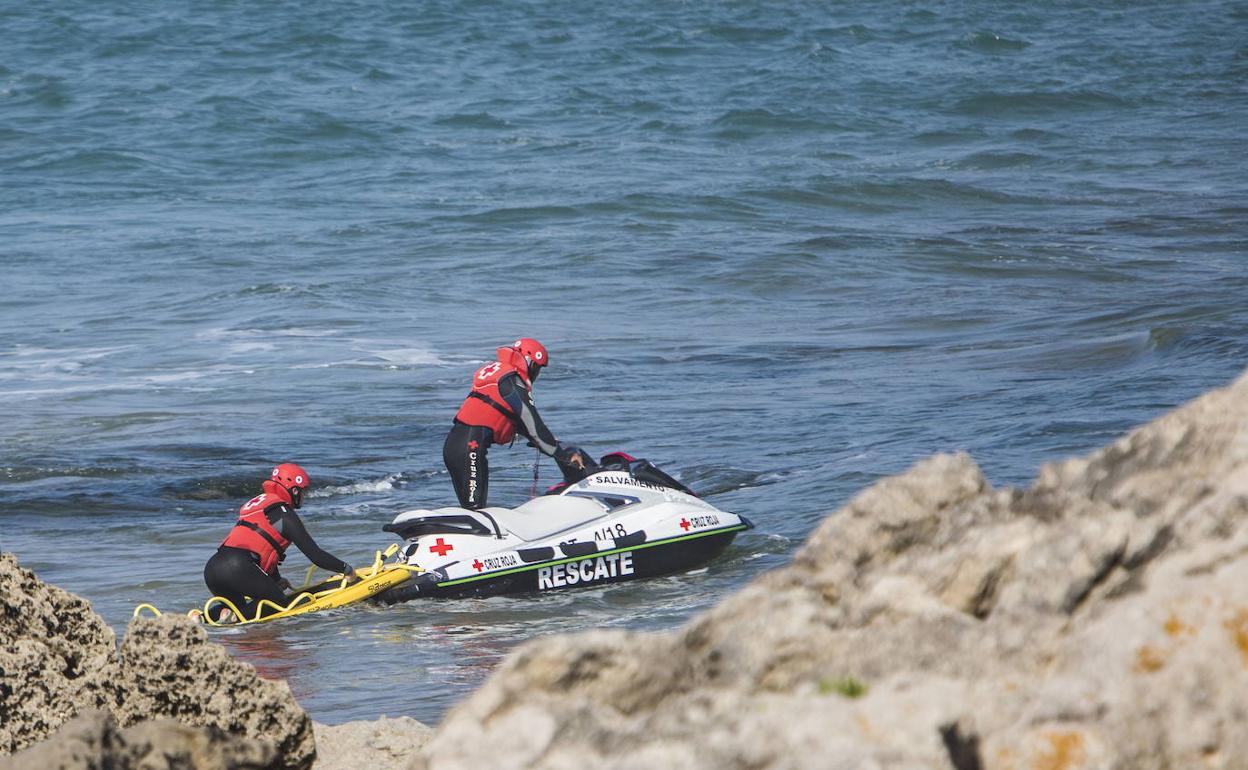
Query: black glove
[[566, 454], [575, 462]]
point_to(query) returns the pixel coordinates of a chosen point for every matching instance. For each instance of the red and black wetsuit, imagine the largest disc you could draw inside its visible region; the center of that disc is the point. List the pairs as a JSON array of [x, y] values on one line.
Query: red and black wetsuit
[[499, 406], [244, 568]]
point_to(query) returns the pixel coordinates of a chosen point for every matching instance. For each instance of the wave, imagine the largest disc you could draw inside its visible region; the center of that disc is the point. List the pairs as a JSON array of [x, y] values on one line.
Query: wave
[[991, 43], [744, 123], [29, 358], [87, 160], [387, 483], [740, 34], [472, 120], [36, 89], [515, 215], [708, 481], [242, 486], [21, 474], [884, 194], [992, 161], [1228, 343], [996, 104]]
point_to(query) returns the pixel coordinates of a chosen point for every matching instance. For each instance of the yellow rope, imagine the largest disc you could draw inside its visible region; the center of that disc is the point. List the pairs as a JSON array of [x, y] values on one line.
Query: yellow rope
[[303, 597], [378, 558], [150, 608]]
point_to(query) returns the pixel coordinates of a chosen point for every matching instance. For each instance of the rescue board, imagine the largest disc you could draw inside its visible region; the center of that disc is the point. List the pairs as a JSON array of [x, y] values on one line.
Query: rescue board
[[327, 594]]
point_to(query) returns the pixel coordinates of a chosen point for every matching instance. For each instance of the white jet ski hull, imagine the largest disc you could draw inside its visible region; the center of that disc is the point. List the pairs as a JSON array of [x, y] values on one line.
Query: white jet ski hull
[[611, 526]]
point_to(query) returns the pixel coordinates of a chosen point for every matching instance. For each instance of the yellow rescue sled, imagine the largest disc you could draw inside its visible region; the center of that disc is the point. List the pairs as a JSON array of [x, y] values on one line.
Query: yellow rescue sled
[[327, 594]]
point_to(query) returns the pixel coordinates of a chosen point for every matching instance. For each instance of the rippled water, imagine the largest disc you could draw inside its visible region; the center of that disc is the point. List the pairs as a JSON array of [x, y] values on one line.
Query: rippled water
[[782, 250]]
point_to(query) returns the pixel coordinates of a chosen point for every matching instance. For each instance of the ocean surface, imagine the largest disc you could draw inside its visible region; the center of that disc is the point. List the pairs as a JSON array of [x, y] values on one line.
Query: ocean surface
[[782, 249]]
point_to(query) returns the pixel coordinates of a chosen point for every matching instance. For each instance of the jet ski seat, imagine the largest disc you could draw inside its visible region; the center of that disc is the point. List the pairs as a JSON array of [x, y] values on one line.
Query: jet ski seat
[[545, 516]]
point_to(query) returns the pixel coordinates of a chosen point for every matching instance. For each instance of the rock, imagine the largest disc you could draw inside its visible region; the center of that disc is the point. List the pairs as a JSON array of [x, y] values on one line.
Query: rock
[[60, 659], [1095, 620], [384, 744], [93, 741], [56, 657], [170, 669], [1159, 675]]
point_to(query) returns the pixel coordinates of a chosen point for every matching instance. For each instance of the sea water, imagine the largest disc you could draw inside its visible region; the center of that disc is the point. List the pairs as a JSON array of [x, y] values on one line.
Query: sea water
[[781, 249]]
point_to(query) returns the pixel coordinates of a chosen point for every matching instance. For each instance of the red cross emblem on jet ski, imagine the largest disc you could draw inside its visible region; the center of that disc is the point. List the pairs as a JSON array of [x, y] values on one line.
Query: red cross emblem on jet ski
[[684, 524], [441, 547], [477, 565]]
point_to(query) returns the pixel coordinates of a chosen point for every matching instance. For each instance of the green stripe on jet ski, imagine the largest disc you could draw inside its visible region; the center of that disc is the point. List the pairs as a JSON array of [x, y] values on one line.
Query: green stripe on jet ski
[[530, 568]]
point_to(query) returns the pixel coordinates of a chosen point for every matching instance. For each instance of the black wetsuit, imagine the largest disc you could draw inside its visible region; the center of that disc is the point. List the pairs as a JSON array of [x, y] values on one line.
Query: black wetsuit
[[465, 449], [235, 574]]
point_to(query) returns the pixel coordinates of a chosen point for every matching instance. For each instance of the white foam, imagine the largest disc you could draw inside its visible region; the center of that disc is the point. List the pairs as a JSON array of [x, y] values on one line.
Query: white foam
[[386, 484], [53, 361], [85, 353], [252, 347], [389, 358], [295, 332], [218, 333], [31, 393], [409, 356], [160, 379]]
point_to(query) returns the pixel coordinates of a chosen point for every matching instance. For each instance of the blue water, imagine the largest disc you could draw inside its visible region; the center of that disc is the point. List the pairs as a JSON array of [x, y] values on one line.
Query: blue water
[[782, 249]]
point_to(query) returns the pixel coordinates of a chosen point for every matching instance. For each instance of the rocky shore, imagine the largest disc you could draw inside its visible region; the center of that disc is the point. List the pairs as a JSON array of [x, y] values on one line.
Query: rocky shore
[[1098, 619]]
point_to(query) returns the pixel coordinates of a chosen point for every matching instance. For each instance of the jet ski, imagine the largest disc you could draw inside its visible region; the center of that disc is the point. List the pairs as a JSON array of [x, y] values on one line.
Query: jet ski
[[626, 519]]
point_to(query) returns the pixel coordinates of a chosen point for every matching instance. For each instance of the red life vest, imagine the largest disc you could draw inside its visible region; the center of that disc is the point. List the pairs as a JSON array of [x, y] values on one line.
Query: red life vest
[[485, 406], [255, 533]]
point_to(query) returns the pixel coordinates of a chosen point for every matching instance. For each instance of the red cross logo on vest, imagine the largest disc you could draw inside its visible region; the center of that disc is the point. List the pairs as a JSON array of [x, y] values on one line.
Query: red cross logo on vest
[[473, 444], [441, 547]]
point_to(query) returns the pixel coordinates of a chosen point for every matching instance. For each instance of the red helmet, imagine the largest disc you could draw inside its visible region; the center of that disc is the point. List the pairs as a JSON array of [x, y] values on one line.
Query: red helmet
[[534, 353], [293, 479]]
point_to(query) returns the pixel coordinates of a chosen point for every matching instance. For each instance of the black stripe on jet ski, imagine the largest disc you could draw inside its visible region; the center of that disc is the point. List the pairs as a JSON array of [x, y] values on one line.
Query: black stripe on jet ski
[[536, 554], [578, 549], [499, 573], [631, 539]]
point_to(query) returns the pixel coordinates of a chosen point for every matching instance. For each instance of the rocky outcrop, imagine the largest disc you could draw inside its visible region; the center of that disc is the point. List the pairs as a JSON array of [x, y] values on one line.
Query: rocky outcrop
[[59, 659], [93, 741], [169, 668], [1098, 619], [55, 661]]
